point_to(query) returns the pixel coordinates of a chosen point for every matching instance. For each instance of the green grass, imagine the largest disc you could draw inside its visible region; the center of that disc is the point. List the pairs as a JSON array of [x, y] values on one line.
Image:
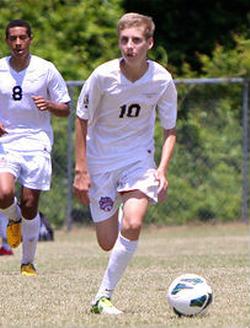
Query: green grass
[[71, 267]]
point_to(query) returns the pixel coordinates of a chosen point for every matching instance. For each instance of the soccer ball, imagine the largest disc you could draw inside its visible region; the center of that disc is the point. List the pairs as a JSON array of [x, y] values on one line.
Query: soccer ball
[[189, 295]]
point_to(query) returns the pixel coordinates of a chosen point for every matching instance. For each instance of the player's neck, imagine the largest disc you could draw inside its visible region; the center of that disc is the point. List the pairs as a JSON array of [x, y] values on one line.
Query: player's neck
[[19, 63], [132, 72]]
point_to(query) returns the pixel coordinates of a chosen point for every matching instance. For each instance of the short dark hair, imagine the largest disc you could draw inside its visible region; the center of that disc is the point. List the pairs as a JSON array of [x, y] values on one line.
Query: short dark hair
[[18, 22]]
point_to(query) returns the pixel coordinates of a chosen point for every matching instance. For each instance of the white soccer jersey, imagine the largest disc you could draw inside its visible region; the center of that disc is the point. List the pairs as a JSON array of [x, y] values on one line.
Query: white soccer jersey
[[28, 128], [121, 114]]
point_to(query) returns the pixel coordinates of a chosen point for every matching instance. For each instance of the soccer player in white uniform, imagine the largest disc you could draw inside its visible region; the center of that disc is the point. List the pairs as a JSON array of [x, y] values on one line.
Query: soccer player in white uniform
[[115, 146], [31, 89]]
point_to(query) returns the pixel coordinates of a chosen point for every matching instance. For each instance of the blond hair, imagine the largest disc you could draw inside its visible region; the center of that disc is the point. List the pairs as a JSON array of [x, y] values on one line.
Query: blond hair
[[133, 19]]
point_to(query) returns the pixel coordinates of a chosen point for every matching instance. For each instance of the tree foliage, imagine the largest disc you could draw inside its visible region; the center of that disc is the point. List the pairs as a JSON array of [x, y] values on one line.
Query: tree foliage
[[192, 39], [75, 35], [78, 35], [224, 62], [188, 28]]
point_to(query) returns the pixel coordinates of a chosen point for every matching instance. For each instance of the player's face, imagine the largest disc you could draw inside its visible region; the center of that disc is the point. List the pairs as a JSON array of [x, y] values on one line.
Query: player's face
[[134, 45], [19, 41]]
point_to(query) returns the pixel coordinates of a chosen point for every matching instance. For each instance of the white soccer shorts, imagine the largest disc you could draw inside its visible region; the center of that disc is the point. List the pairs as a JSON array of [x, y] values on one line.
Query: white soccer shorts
[[31, 171], [105, 188]]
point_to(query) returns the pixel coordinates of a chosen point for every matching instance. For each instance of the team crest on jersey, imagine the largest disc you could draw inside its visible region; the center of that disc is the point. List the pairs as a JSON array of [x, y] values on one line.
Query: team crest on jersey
[[106, 204]]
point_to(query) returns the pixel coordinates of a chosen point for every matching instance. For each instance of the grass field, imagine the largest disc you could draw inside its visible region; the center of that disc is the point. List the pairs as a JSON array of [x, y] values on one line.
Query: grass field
[[71, 267]]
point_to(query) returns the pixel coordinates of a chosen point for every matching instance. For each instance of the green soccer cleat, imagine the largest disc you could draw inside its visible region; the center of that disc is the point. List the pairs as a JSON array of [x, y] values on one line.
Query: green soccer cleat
[[14, 233], [104, 306], [28, 270]]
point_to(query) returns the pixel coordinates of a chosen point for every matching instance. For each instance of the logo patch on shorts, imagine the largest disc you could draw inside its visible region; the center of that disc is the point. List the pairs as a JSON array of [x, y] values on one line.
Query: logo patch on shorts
[[106, 204]]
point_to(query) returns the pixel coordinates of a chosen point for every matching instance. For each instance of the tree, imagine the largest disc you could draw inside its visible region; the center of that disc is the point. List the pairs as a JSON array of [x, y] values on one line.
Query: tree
[[224, 62], [187, 28], [75, 35]]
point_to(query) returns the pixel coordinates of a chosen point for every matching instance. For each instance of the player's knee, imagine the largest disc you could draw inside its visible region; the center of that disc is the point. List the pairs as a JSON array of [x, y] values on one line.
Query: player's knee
[[106, 244], [29, 211], [131, 230], [29, 206], [6, 197], [133, 226], [106, 247]]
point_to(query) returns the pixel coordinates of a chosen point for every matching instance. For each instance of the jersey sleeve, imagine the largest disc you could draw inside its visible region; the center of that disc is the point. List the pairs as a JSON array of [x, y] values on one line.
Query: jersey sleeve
[[89, 98], [57, 87], [167, 107]]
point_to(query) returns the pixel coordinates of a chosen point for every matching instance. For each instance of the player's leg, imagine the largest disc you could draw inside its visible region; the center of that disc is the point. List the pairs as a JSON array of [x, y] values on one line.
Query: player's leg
[[134, 209], [104, 208], [7, 190], [135, 205], [30, 229], [107, 232], [137, 186], [36, 176], [10, 208], [104, 211]]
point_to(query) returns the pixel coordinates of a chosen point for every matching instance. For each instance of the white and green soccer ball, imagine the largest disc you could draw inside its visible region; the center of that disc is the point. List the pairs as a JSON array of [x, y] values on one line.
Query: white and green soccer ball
[[189, 295]]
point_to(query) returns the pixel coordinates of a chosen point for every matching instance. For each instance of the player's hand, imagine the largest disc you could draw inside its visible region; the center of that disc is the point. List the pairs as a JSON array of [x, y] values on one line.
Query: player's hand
[[81, 187], [163, 185], [41, 103], [2, 130]]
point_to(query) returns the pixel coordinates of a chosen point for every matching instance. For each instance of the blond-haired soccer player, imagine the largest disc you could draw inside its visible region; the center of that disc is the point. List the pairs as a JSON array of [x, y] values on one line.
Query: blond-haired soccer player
[[31, 90], [115, 146]]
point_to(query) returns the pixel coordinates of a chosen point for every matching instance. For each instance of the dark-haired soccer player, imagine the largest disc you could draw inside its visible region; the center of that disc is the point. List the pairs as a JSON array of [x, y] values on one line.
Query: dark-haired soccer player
[[31, 90]]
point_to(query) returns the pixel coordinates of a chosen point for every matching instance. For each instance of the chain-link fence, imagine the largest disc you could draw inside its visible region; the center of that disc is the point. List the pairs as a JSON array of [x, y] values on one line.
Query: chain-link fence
[[209, 171]]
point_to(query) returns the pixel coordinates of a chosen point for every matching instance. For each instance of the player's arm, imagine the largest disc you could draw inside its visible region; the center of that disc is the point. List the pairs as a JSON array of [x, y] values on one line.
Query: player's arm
[[82, 179], [169, 141], [55, 108]]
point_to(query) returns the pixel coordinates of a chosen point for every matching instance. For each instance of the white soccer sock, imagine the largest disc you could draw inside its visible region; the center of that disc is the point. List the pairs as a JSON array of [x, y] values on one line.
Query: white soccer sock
[[30, 234], [118, 261], [12, 212], [3, 224]]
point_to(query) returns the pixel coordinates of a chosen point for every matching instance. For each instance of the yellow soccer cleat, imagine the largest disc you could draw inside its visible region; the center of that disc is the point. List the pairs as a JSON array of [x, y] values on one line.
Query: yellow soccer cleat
[[28, 270], [14, 233]]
